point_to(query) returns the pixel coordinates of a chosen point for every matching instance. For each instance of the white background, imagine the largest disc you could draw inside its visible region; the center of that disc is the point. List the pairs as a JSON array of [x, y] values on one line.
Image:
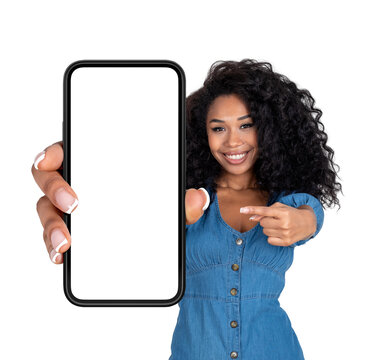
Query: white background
[[333, 293]]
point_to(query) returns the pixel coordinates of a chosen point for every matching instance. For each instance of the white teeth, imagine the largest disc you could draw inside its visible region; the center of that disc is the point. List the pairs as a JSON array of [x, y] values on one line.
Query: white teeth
[[235, 157]]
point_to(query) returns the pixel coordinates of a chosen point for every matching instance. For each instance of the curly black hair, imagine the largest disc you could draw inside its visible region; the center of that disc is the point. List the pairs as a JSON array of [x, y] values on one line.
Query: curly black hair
[[292, 145]]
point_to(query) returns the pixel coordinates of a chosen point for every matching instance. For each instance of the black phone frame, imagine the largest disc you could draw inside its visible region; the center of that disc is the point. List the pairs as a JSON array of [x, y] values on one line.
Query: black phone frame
[[66, 173]]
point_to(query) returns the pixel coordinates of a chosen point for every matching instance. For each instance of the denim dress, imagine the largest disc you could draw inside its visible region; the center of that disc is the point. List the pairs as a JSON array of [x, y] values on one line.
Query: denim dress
[[230, 308]]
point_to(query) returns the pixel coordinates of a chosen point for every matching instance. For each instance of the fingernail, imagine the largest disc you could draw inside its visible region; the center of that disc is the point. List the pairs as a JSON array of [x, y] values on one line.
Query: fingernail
[[39, 157], [65, 200], [55, 257], [244, 210], [205, 207], [253, 217], [58, 239]]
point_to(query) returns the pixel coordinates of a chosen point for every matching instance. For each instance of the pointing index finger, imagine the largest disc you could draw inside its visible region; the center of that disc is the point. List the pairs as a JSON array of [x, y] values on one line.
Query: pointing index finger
[[260, 210]]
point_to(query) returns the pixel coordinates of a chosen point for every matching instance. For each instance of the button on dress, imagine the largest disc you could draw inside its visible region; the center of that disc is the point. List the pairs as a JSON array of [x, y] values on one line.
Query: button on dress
[[230, 308]]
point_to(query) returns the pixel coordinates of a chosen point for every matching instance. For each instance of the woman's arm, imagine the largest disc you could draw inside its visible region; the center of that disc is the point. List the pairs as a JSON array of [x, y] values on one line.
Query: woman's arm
[[292, 220]]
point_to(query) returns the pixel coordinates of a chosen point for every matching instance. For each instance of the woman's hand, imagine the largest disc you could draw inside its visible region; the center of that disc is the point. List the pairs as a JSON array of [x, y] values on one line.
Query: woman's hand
[[194, 203], [59, 197], [284, 225]]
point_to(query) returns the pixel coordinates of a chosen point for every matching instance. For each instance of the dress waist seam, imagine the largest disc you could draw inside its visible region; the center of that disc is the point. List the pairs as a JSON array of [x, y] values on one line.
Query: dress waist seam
[[208, 267]]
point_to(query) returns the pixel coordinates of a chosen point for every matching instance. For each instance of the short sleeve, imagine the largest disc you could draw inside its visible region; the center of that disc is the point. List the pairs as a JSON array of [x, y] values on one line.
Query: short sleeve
[[298, 199]]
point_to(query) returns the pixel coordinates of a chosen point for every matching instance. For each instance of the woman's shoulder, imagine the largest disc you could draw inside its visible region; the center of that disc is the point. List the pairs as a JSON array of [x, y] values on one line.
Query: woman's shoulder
[[296, 197], [211, 192]]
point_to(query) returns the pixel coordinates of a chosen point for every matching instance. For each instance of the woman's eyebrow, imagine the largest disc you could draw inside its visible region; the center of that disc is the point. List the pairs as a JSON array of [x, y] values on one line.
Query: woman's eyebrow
[[221, 121]]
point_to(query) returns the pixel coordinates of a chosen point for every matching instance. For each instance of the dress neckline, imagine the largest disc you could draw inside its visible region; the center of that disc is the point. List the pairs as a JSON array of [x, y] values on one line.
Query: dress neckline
[[218, 213]]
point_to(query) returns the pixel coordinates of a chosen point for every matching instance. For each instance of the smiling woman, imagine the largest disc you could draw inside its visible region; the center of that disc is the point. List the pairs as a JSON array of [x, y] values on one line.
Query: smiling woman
[[284, 131], [254, 140]]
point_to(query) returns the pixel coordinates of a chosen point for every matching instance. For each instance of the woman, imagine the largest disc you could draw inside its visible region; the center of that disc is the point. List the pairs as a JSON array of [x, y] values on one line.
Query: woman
[[235, 266], [283, 169]]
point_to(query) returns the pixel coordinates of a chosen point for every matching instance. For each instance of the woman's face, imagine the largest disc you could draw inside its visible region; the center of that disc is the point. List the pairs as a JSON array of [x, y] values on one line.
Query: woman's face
[[230, 129]]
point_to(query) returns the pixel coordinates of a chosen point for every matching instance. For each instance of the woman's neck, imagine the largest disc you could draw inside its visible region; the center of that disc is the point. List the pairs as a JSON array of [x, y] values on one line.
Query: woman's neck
[[236, 182]]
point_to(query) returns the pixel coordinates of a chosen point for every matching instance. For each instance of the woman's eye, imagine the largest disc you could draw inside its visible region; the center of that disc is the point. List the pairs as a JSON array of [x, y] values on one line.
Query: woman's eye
[[217, 128]]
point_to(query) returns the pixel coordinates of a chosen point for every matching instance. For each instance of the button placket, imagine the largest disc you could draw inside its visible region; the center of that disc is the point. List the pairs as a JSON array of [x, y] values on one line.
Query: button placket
[[235, 302]]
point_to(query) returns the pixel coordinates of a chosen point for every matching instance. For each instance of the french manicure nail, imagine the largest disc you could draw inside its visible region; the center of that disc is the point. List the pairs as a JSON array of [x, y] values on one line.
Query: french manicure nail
[[55, 257], [205, 207], [58, 239], [39, 157], [244, 210], [65, 200]]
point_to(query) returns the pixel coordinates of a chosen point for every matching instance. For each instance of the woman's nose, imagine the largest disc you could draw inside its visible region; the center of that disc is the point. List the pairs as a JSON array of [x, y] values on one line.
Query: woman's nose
[[234, 139]]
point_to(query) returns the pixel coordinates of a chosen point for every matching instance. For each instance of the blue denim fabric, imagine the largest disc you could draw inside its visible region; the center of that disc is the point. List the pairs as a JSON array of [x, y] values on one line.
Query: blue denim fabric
[[208, 308]]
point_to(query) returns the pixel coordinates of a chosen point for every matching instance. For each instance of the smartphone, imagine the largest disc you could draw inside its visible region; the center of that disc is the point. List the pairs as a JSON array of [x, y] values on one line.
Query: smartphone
[[124, 156]]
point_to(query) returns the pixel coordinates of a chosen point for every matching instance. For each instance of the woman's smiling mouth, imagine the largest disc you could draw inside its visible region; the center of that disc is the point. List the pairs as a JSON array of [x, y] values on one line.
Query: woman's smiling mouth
[[236, 159]]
